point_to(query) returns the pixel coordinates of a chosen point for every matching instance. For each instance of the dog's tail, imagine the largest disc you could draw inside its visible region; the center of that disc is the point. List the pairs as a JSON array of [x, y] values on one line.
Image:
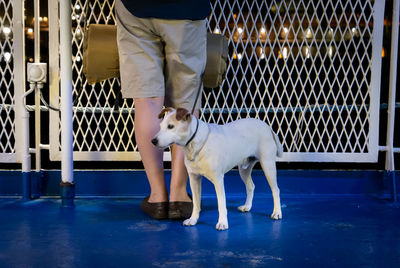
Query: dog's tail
[[279, 147]]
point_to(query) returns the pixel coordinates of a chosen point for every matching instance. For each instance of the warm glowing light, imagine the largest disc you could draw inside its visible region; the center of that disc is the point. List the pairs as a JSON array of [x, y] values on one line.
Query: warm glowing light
[[78, 58], [7, 56], [330, 51], [354, 30], [240, 30], [383, 52], [262, 56], [45, 19], [217, 31], [285, 30], [30, 31], [309, 33], [77, 7], [307, 53], [329, 34], [285, 53], [239, 56], [40, 18], [6, 30], [262, 30]]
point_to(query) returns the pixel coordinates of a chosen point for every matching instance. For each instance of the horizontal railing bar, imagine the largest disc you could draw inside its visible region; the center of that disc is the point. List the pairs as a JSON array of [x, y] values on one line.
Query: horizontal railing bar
[[384, 149], [325, 108]]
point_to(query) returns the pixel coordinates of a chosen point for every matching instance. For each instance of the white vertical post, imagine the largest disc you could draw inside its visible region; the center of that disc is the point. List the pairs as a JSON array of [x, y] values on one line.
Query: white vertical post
[[21, 114], [36, 30], [54, 77], [376, 78], [389, 166], [66, 91], [37, 89]]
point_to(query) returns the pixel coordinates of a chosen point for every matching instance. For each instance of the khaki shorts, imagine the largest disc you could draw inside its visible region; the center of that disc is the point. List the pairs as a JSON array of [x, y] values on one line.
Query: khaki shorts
[[161, 57]]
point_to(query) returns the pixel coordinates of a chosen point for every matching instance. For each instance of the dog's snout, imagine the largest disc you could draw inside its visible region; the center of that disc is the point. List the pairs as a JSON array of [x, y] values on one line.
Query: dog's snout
[[154, 141]]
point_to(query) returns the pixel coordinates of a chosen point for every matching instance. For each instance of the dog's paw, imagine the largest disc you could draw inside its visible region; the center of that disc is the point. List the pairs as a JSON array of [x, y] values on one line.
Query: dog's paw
[[221, 226], [276, 215], [190, 222], [244, 208]]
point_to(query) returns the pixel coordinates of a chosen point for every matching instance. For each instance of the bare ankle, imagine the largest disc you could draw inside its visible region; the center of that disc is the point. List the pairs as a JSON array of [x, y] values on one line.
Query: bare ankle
[[156, 197], [180, 195]]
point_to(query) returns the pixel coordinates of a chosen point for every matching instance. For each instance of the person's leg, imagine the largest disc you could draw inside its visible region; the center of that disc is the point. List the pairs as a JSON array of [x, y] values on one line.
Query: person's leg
[[141, 69], [179, 175], [147, 125], [185, 55]]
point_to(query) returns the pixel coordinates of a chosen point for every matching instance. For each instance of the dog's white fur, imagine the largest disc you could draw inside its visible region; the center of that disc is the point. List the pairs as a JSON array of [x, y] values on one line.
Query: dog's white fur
[[216, 149]]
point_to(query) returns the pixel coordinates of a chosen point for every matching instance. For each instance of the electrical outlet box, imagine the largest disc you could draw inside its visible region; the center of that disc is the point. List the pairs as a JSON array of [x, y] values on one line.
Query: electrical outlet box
[[37, 72]]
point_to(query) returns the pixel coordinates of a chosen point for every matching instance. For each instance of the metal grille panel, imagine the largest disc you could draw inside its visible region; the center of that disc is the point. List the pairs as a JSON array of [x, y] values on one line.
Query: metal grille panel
[[302, 66], [7, 114], [98, 126], [310, 69]]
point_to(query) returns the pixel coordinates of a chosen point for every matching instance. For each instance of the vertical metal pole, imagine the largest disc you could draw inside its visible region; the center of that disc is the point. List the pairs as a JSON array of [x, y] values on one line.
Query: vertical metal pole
[[26, 157], [67, 184], [36, 30], [21, 114], [389, 166], [54, 77], [376, 78], [37, 90]]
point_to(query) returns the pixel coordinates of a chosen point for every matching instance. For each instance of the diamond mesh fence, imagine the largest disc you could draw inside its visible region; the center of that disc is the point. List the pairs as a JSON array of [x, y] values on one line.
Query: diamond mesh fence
[[309, 68], [7, 114]]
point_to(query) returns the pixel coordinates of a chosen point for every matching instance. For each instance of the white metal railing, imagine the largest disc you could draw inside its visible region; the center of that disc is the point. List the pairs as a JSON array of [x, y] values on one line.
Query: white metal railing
[[11, 79], [311, 69], [7, 116]]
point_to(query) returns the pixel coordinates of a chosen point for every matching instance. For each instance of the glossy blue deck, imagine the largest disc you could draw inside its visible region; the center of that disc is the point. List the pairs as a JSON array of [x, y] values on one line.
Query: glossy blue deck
[[330, 219], [315, 232]]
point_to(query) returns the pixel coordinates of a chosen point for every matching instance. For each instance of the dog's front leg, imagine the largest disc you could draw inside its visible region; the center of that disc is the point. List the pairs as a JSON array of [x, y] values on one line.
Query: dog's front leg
[[220, 190], [195, 186]]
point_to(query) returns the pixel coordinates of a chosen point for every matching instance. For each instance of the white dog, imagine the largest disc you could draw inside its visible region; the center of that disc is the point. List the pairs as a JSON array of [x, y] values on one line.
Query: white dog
[[212, 150]]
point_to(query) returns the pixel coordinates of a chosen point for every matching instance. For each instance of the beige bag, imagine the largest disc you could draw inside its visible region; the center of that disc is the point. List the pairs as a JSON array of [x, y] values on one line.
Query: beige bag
[[100, 53], [101, 60]]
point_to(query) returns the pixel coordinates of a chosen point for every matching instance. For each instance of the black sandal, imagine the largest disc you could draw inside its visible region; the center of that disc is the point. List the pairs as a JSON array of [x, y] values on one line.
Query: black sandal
[[158, 210], [180, 210]]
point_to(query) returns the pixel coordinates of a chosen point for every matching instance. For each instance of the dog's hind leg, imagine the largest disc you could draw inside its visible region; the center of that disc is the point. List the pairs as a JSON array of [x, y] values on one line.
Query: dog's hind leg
[[245, 175], [269, 169], [195, 186]]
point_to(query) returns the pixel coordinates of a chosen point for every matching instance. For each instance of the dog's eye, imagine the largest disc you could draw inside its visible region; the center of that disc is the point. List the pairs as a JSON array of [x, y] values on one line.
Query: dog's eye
[[170, 126]]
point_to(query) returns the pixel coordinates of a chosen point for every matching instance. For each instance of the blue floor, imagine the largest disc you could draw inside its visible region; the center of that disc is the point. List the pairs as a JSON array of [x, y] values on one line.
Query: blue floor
[[357, 231]]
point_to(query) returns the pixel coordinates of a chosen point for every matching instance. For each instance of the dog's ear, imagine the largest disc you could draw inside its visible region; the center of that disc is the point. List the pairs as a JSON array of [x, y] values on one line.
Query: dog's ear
[[182, 114], [164, 111]]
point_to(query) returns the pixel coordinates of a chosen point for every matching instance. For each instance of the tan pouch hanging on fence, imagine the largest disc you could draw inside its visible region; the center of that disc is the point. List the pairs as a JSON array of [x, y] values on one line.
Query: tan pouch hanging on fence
[[100, 53], [101, 60]]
